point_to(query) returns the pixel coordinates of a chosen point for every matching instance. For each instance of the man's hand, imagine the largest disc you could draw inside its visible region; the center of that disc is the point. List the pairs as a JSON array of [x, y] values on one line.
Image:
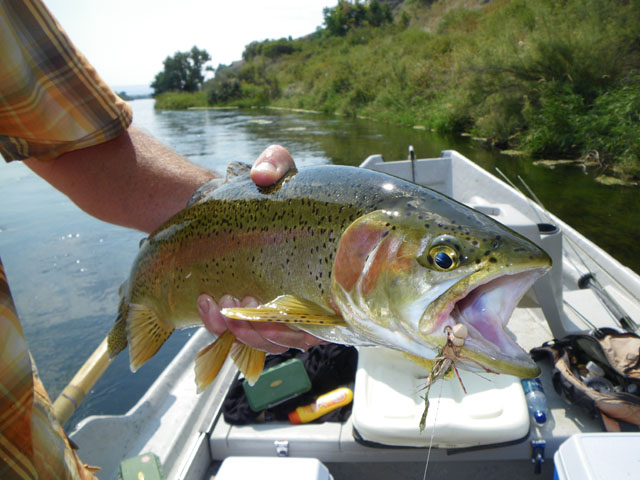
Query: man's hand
[[270, 166]]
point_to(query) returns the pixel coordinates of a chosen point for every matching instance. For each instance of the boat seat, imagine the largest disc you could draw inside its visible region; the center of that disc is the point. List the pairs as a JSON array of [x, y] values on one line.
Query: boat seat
[[388, 405]]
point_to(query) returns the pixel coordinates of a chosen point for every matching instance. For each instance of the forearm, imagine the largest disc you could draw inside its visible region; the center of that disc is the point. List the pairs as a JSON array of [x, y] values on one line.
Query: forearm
[[134, 180]]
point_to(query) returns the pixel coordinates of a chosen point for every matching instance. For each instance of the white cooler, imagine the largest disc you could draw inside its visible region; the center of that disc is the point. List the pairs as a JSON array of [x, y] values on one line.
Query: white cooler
[[598, 456], [388, 405], [272, 468]]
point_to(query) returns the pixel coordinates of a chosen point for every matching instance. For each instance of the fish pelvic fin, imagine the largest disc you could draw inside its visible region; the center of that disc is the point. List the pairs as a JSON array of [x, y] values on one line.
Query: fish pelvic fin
[[286, 309], [146, 333], [210, 359], [249, 360]]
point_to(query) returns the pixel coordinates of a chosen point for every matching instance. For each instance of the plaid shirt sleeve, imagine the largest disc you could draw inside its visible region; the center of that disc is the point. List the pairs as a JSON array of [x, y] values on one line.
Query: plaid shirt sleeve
[[52, 100], [32, 442]]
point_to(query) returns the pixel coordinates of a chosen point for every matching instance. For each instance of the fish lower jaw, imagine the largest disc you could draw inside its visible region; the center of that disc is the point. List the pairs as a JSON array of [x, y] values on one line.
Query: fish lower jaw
[[485, 311]]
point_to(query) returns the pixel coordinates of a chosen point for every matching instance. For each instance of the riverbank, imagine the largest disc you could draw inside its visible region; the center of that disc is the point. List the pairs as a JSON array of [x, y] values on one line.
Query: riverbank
[[552, 80]]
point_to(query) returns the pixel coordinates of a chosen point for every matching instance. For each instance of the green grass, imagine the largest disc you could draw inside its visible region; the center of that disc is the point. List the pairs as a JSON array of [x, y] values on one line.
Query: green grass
[[180, 100]]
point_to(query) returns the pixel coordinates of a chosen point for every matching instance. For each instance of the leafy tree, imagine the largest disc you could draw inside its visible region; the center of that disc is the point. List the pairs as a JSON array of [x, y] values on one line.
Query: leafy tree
[[182, 72], [123, 95], [225, 86], [346, 16]]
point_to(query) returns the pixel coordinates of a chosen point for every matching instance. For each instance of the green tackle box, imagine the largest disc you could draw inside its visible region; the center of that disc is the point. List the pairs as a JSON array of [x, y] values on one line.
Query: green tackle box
[[146, 466], [277, 384]]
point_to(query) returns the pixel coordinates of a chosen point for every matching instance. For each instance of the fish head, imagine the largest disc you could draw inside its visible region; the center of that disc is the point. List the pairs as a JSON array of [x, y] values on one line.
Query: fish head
[[403, 277]]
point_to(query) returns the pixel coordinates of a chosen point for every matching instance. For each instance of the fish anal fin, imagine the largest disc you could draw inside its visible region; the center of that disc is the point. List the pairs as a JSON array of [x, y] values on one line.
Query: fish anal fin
[[249, 360], [286, 309], [145, 333], [210, 359]]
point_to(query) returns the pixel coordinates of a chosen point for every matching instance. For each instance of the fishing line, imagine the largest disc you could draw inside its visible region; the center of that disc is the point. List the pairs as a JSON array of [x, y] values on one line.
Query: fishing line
[[433, 430], [535, 211], [535, 201], [580, 316]]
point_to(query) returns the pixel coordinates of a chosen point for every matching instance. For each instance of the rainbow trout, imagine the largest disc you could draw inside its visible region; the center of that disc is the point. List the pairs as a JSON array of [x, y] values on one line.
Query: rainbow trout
[[349, 255]]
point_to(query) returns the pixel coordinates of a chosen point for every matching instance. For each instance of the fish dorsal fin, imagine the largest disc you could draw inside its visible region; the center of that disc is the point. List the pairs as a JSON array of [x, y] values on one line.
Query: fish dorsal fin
[[210, 359], [203, 192], [145, 333], [236, 170], [286, 309], [249, 360]]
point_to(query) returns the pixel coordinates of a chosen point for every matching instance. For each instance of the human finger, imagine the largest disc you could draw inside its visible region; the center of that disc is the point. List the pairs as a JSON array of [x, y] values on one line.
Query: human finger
[[271, 166], [244, 331], [209, 312]]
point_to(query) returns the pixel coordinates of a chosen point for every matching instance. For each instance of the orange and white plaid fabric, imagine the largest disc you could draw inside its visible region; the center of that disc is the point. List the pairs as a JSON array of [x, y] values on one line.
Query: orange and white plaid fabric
[[32, 442], [52, 100]]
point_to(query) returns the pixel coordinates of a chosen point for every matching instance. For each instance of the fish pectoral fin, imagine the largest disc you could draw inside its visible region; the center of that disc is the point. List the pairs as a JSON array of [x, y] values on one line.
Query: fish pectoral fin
[[145, 333], [286, 309], [210, 359], [249, 360]]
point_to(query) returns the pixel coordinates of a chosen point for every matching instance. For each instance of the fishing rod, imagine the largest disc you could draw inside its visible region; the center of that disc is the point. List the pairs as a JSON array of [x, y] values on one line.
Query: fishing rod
[[589, 279], [412, 158]]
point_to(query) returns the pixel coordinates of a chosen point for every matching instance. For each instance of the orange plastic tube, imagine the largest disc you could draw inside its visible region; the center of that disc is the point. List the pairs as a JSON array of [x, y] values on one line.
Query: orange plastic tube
[[323, 405]]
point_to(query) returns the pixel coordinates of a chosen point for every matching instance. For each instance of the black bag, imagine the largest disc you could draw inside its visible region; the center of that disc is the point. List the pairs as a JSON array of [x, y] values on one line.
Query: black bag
[[615, 397], [328, 366]]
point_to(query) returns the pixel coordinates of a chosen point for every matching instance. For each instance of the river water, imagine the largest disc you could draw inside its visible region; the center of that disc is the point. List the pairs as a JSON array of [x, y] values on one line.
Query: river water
[[65, 267]]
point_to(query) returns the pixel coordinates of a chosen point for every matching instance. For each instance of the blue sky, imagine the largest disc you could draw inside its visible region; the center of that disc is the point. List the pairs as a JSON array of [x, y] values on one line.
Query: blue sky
[[127, 40]]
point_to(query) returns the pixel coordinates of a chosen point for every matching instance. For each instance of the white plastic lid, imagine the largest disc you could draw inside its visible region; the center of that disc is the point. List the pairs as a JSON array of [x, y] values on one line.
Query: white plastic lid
[[598, 456]]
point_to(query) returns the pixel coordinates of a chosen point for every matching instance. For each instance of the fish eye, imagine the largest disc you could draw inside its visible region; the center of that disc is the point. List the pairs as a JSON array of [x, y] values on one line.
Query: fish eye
[[443, 260], [440, 257], [444, 257]]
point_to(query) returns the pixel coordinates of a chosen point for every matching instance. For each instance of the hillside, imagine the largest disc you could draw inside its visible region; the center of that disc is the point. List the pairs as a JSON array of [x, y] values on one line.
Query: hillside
[[555, 79]]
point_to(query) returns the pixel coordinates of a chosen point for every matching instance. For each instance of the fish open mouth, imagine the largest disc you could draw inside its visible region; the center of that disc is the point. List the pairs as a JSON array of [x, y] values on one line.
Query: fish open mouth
[[485, 310]]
